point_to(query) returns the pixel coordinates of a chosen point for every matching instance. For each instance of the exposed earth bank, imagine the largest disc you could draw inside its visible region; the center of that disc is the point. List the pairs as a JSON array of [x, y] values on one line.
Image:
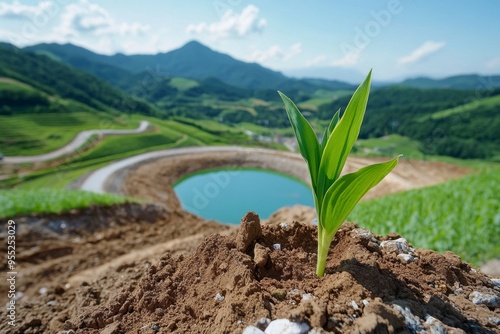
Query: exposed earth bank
[[153, 268]]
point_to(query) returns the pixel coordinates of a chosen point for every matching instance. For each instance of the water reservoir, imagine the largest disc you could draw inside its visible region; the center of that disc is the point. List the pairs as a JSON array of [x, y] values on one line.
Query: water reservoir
[[226, 195]]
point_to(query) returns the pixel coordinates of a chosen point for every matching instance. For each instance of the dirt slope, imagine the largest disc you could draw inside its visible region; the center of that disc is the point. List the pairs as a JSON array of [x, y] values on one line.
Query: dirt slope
[[93, 270]]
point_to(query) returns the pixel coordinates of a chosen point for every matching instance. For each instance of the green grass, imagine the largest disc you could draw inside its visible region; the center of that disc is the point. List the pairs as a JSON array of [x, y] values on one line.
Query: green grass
[[10, 83], [488, 102], [32, 134], [462, 216], [117, 145], [18, 202], [183, 84], [389, 146]]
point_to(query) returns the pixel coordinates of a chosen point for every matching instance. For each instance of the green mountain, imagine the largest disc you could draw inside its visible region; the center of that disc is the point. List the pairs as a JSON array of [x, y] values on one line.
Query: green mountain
[[193, 60], [469, 81], [54, 78]]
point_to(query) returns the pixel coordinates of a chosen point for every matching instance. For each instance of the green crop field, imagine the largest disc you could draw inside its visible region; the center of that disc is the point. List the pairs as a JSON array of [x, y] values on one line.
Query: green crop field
[[462, 216], [18, 202]]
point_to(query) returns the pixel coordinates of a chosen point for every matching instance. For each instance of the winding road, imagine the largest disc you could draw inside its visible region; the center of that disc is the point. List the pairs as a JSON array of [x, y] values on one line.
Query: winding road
[[76, 143], [96, 181]]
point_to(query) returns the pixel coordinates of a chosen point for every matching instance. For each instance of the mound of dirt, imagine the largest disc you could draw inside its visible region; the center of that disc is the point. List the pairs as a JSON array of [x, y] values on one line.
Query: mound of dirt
[[373, 284]]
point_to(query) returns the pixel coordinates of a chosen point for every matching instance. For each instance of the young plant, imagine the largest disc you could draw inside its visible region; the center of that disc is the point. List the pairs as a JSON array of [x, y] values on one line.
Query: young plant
[[335, 196]]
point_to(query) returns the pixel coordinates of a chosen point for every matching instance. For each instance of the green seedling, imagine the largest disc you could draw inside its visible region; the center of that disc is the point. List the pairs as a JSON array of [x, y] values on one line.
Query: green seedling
[[335, 196]]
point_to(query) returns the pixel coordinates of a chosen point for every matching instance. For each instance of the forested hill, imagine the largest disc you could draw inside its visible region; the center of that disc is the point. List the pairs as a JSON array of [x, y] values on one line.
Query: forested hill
[[458, 123], [467, 81], [55, 78]]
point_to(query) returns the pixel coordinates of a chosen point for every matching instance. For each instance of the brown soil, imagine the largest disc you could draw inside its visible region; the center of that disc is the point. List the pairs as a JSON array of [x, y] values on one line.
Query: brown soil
[[154, 276], [149, 268]]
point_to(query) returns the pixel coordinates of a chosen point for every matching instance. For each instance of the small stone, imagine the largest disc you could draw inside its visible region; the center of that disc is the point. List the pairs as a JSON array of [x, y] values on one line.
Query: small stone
[[354, 305], [277, 246], [249, 231], [412, 322], [496, 282], [398, 246], [285, 326], [284, 225], [51, 303], [494, 320], [261, 255], [364, 234], [219, 297], [262, 323], [479, 298], [365, 302], [43, 291], [307, 296], [406, 258], [252, 330], [435, 325]]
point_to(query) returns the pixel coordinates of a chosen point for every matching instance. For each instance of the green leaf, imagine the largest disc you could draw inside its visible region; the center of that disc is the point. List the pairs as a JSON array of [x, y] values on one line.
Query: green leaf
[[346, 132], [306, 138], [347, 191], [329, 129]]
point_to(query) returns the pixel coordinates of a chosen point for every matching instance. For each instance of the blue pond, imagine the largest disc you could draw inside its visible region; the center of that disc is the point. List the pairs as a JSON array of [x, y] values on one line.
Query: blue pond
[[226, 195]]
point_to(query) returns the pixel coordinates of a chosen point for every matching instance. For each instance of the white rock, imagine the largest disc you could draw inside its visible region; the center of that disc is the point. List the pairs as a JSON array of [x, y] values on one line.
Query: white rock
[[43, 291], [406, 258], [365, 302], [277, 246], [364, 234], [354, 305], [252, 330], [412, 322], [485, 299], [219, 297], [307, 296], [398, 246], [435, 325], [496, 282], [284, 225], [285, 326]]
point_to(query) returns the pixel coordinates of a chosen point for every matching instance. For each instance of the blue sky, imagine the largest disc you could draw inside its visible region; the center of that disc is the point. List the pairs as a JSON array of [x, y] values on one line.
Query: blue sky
[[397, 38]]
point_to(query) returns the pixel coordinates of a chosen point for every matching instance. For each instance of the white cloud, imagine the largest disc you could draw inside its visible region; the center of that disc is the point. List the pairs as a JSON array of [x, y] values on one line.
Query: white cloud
[[85, 17], [316, 60], [348, 60], [276, 51], [17, 10], [423, 50], [231, 24]]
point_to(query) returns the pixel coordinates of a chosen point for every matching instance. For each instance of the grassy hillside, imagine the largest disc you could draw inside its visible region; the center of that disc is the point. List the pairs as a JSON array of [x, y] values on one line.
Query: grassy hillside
[[31, 134], [54, 78]]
